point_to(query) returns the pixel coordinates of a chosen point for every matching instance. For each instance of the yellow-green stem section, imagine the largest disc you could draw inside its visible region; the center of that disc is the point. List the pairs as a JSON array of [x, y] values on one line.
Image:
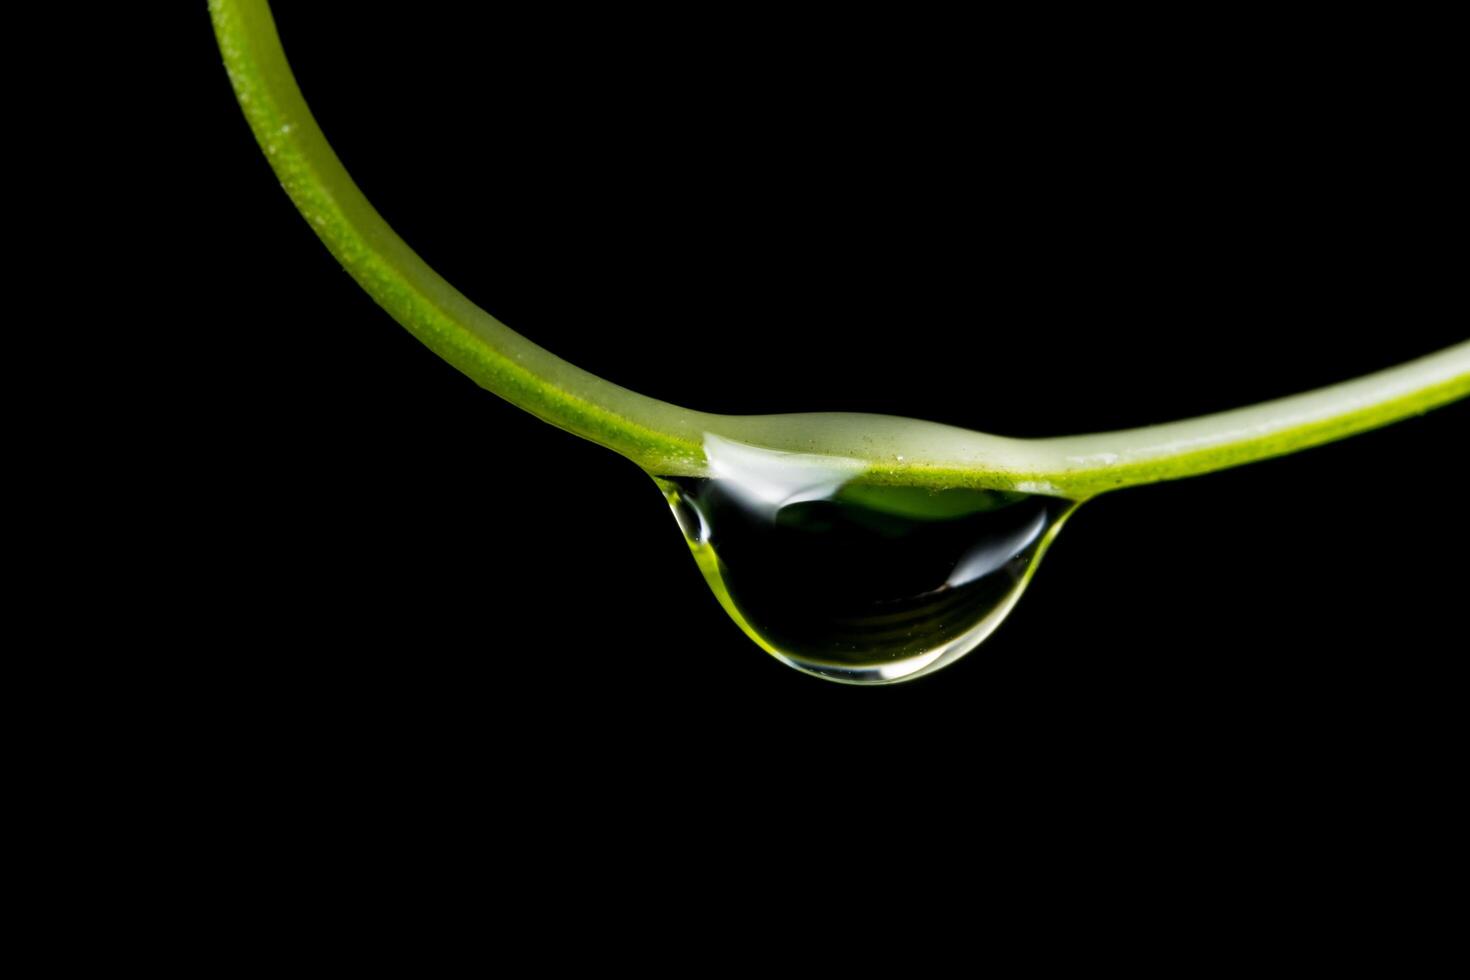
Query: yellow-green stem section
[[669, 440]]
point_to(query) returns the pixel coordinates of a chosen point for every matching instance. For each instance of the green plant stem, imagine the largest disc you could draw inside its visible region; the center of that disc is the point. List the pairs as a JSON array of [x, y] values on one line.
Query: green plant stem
[[669, 440]]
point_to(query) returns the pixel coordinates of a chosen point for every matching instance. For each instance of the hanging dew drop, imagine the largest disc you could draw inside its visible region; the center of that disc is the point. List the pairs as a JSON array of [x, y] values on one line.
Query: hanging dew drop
[[851, 581]]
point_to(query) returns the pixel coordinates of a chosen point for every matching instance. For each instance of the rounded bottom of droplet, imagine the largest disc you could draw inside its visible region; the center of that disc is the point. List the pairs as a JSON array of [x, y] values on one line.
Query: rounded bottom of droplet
[[872, 674], [900, 669]]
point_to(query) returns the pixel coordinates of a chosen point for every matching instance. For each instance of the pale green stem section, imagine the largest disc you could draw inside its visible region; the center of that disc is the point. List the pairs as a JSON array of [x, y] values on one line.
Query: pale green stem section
[[669, 440]]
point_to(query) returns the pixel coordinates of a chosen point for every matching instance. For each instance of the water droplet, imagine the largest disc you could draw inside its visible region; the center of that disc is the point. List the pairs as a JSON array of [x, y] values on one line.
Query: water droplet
[[853, 581]]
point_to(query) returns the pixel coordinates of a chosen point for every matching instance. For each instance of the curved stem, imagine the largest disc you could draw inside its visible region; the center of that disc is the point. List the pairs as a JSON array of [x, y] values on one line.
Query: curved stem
[[670, 440], [472, 340]]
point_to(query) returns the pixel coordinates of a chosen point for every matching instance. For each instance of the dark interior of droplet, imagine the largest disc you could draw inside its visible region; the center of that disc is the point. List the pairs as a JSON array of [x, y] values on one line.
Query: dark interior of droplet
[[841, 581]]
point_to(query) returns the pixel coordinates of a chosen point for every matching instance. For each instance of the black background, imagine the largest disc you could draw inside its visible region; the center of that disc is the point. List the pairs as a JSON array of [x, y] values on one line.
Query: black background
[[994, 229]]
